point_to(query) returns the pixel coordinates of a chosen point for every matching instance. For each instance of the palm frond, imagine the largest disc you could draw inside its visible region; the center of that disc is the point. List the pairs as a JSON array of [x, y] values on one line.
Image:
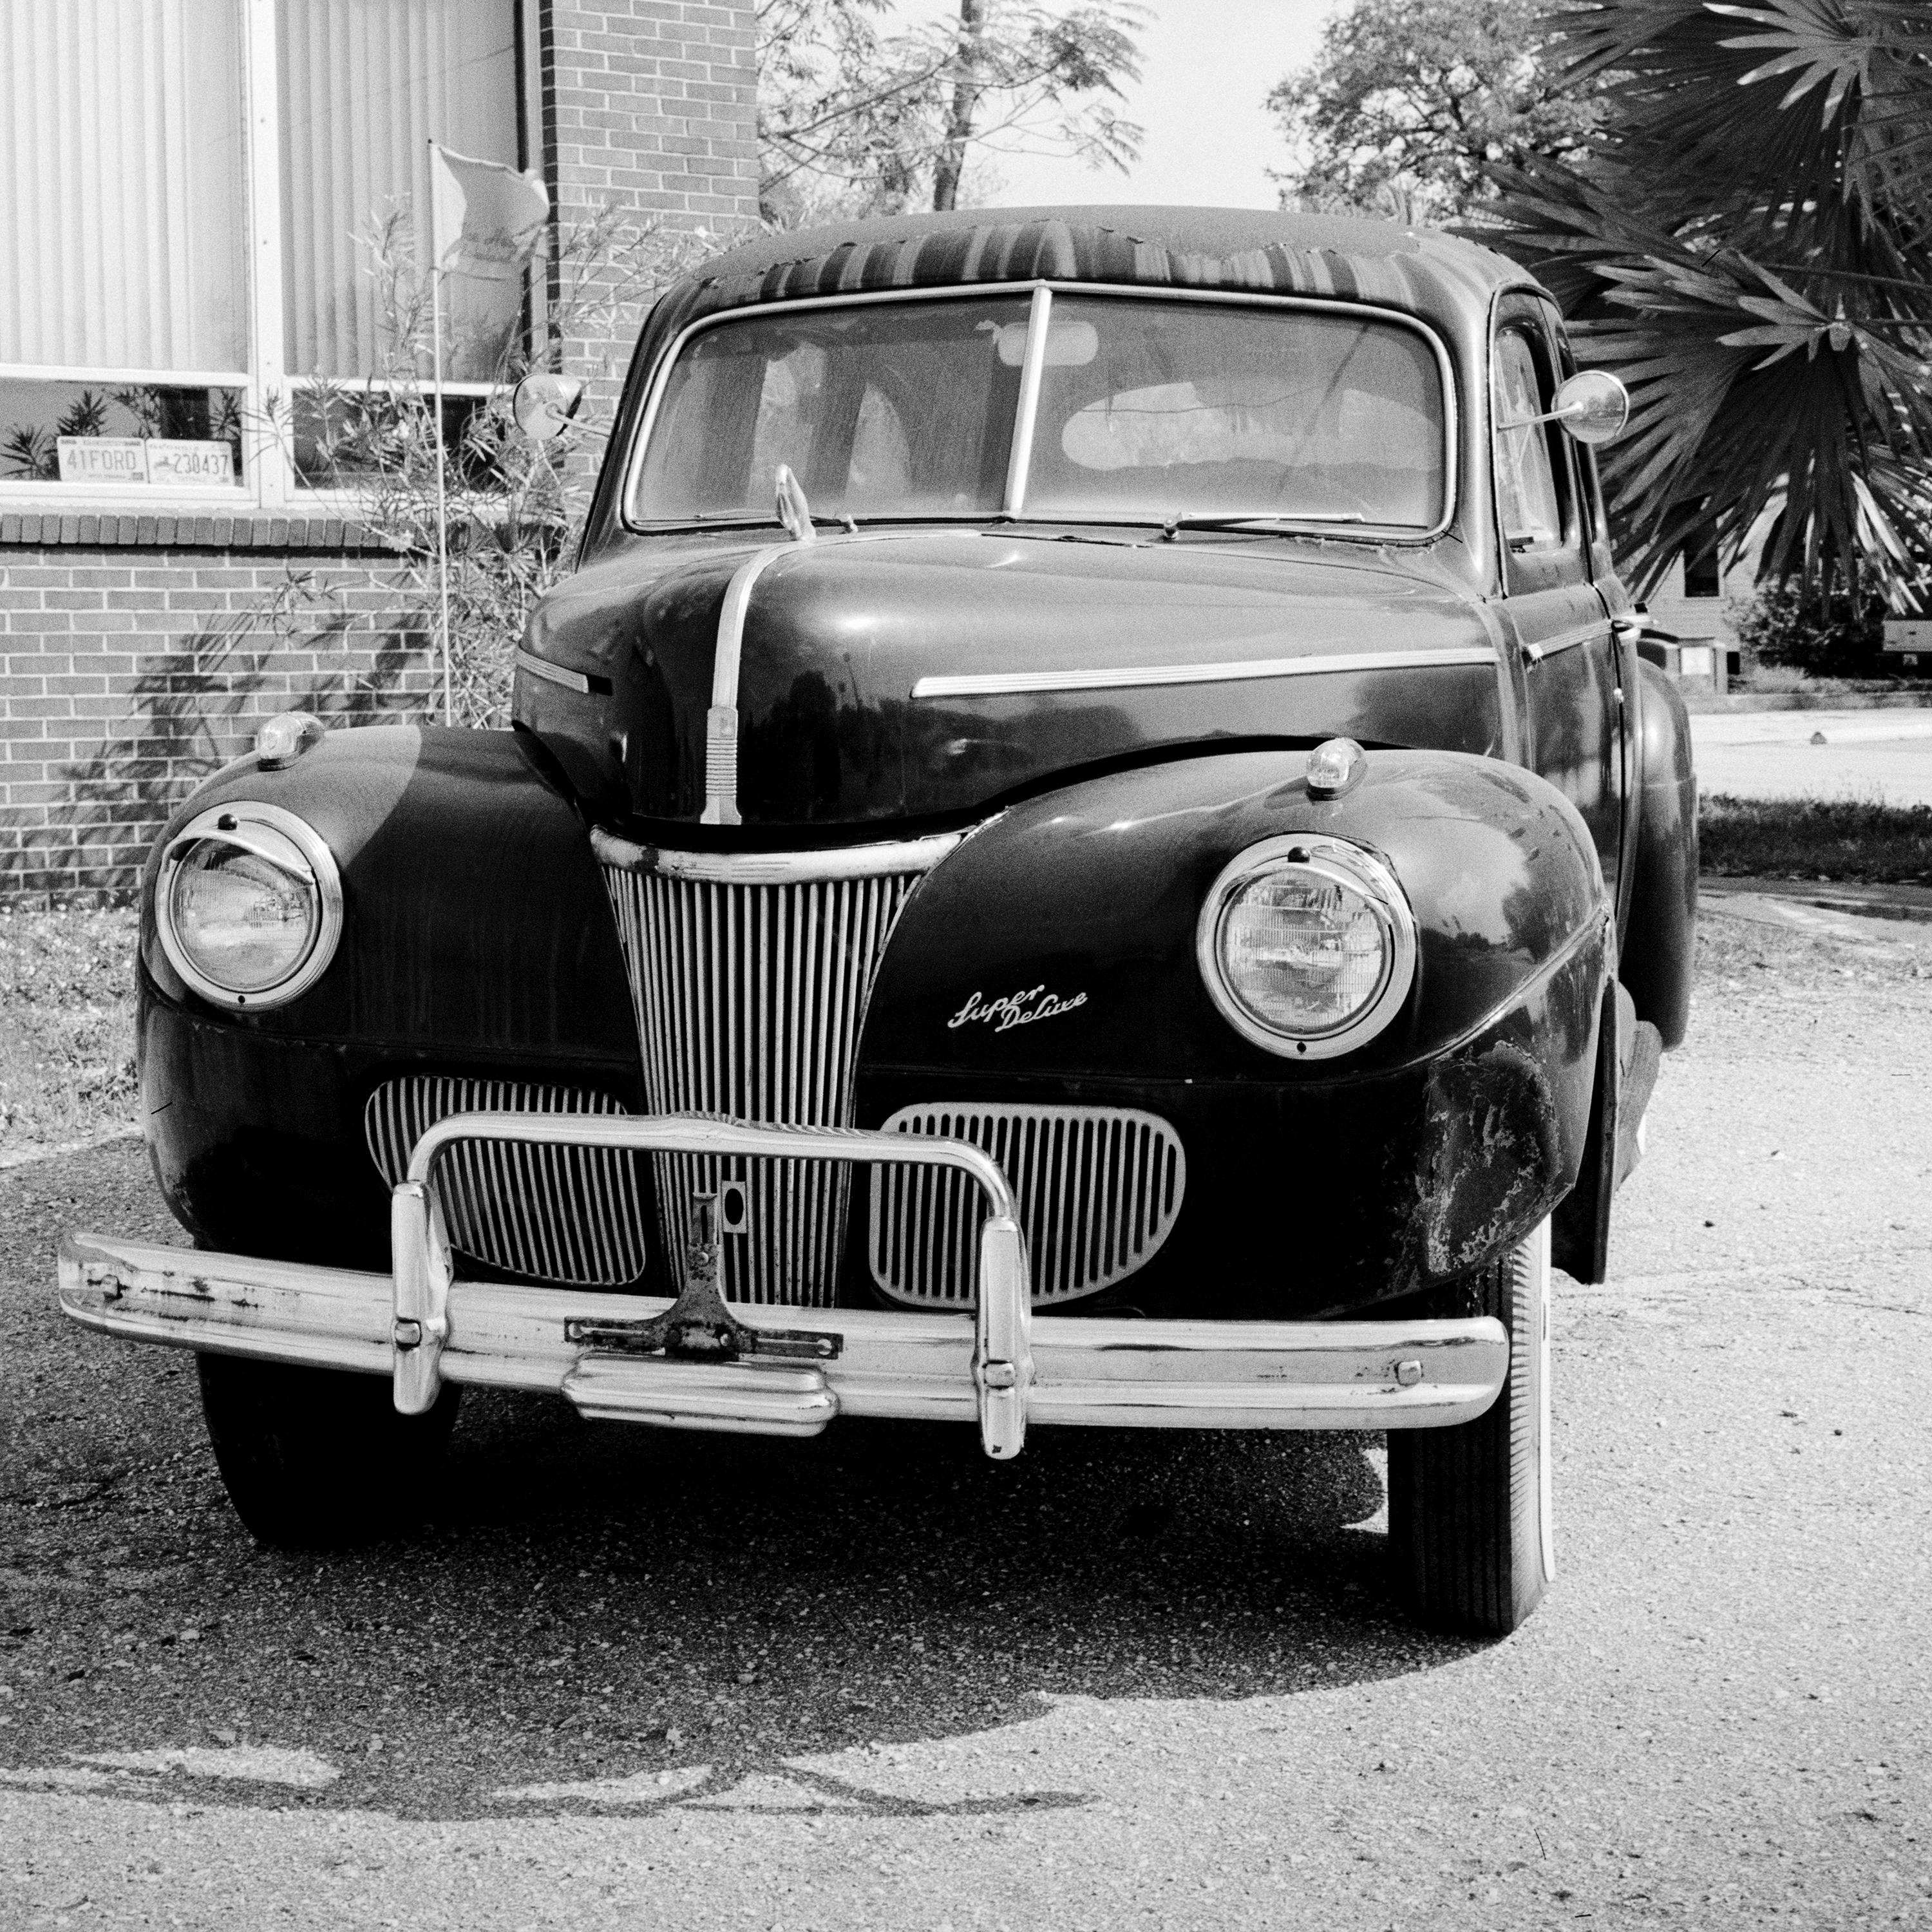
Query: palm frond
[[1750, 248]]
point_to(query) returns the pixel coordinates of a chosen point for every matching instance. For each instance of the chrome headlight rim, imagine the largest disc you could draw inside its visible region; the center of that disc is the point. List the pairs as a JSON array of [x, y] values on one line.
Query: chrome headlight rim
[[230, 824], [1343, 862]]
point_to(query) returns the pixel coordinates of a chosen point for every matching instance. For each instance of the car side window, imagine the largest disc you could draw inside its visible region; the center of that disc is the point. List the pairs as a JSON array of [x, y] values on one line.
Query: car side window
[[1529, 499]]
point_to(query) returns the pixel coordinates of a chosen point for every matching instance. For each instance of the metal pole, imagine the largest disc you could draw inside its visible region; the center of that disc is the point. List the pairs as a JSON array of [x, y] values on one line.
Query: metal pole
[[442, 467]]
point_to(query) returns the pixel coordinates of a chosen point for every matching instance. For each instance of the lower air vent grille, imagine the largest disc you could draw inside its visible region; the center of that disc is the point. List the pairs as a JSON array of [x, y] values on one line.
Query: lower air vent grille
[[571, 1215], [1098, 1190]]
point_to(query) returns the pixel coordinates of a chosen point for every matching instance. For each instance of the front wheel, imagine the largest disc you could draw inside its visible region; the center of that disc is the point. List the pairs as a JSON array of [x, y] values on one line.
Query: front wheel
[[1469, 1519], [316, 1458]]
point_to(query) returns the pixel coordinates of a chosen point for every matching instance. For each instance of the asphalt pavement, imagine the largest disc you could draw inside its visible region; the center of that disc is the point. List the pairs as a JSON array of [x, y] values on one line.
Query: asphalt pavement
[[1882, 754], [630, 1680]]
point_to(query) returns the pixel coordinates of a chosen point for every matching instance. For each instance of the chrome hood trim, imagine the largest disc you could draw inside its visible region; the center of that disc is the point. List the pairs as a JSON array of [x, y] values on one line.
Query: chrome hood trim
[[774, 868], [1114, 677]]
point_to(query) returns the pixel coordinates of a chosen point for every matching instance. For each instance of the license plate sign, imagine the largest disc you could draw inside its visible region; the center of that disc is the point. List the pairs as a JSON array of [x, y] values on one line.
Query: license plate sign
[[167, 462]]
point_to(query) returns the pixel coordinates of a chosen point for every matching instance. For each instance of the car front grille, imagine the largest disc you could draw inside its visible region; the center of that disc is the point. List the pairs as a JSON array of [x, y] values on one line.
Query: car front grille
[[1098, 1190], [750, 973], [566, 1214]]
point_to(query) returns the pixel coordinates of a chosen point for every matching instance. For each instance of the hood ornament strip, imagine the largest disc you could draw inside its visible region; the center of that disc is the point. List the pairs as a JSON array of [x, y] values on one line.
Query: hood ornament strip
[[721, 722]]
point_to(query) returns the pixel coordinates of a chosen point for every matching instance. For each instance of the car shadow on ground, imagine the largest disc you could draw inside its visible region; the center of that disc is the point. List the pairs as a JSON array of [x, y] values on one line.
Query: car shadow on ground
[[594, 1615]]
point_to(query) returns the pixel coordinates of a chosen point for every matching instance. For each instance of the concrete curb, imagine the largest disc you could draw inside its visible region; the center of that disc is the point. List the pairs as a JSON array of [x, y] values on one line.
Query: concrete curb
[[1747, 703]]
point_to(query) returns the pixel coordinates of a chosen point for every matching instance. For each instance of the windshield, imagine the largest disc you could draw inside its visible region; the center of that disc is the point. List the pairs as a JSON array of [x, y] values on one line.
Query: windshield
[[1147, 410], [885, 409]]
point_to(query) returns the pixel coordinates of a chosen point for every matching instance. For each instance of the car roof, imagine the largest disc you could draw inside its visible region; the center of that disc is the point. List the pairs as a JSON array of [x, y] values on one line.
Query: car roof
[[1420, 271]]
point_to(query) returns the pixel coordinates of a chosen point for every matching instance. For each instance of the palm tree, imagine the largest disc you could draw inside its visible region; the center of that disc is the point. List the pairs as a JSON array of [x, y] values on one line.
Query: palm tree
[[1750, 247]]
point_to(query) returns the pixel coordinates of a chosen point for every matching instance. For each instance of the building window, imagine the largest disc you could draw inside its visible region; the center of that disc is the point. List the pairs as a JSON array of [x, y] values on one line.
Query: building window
[[1701, 575], [187, 308]]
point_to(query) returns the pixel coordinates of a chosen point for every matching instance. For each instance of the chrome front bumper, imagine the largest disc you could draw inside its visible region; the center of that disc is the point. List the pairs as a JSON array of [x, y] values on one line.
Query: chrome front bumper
[[1001, 1365]]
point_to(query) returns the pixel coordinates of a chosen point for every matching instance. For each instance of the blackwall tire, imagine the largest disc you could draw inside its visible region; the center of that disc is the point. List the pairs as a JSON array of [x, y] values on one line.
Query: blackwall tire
[[1469, 1507], [315, 1459]]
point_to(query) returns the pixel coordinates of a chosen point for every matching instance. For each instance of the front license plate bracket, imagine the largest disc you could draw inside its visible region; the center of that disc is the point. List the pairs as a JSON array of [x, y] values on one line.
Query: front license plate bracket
[[698, 1327]]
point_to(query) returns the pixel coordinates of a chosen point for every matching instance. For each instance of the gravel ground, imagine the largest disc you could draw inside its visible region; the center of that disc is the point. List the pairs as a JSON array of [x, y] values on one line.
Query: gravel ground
[[874, 1680]]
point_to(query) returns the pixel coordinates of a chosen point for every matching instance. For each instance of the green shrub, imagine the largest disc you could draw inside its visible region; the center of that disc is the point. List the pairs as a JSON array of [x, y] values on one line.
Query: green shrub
[[1828, 635]]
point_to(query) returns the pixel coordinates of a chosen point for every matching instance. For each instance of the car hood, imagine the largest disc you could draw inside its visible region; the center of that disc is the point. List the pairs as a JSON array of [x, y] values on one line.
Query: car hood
[[920, 675]]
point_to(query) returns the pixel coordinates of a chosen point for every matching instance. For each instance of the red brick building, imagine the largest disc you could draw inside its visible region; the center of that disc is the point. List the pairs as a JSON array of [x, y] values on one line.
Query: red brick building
[[179, 196]]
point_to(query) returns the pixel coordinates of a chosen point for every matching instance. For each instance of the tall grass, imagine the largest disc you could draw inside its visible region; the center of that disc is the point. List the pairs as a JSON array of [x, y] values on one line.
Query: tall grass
[[1848, 840]]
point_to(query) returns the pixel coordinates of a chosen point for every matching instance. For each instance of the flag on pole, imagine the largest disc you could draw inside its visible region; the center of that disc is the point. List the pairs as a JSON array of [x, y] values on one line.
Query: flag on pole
[[485, 217], [485, 222]]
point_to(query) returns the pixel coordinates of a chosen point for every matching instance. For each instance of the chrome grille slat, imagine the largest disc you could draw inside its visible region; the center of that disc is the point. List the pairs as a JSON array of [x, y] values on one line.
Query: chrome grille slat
[[1098, 1189], [570, 1215], [749, 993]]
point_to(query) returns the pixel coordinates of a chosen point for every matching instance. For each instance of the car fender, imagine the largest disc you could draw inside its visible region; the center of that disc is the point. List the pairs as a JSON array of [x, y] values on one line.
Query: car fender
[[1660, 940], [1078, 909], [477, 943], [1052, 959], [475, 916]]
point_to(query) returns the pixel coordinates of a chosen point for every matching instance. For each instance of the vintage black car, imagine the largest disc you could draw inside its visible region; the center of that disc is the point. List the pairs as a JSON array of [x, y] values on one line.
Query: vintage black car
[[1088, 844]]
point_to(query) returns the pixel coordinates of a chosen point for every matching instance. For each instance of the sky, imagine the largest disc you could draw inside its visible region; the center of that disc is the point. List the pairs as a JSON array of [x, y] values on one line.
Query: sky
[[1207, 66]]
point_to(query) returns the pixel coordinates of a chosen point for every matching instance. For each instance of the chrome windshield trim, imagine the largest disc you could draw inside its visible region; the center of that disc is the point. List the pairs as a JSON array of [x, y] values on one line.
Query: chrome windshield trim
[[1039, 319], [774, 868], [1113, 677], [1379, 533]]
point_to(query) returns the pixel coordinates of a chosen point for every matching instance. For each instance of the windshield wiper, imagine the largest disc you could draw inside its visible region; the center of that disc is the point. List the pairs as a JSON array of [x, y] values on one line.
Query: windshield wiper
[[1208, 519], [743, 520]]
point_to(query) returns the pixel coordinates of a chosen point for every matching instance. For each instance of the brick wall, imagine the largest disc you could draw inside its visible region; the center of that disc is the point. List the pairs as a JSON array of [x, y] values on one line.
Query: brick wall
[[650, 105], [128, 674], [137, 654], [651, 102]]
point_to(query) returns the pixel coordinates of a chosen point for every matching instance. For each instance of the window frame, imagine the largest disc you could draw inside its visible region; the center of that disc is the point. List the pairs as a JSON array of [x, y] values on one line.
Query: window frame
[[1546, 566], [1042, 291], [269, 483]]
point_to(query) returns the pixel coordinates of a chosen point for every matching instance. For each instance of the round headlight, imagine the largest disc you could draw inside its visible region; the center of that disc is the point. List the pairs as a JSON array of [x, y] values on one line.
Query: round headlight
[[248, 905], [1307, 946]]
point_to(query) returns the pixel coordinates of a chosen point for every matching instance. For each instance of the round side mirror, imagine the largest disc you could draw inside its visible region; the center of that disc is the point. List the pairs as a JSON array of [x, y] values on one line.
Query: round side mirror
[[1593, 406], [543, 405]]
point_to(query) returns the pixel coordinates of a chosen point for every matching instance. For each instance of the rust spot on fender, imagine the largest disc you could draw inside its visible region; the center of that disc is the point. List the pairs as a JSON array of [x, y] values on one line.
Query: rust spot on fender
[[1491, 1156]]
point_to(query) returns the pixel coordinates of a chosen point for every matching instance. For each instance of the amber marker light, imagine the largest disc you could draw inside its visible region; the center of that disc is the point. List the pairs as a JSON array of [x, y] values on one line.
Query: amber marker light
[[284, 738], [1336, 765]]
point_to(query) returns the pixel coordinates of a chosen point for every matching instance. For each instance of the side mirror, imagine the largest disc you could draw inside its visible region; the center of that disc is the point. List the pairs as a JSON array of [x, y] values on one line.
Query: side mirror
[[1593, 406], [543, 405]]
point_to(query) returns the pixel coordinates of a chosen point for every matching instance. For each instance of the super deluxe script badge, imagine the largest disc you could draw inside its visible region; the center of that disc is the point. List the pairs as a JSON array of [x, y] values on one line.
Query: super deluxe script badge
[[1014, 1009]]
